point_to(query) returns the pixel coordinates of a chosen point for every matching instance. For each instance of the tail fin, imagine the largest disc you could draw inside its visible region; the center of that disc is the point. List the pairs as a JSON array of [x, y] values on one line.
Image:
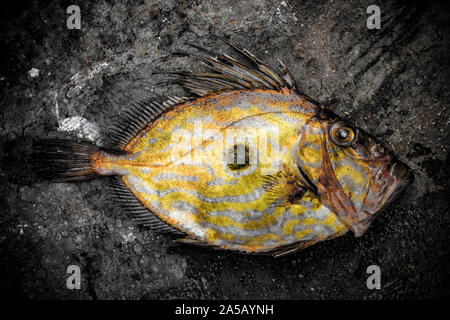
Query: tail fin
[[64, 160]]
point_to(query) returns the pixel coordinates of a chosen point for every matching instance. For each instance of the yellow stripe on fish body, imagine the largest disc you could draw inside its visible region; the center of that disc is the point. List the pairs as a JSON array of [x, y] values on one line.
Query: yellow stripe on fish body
[[179, 167]]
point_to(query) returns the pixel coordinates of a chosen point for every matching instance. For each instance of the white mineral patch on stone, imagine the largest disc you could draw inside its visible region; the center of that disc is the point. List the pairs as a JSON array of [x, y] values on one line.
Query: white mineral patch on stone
[[82, 79], [34, 72], [127, 236], [82, 127], [76, 124]]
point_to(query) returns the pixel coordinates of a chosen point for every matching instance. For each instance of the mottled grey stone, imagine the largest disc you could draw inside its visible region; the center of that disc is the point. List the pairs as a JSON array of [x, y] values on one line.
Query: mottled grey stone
[[393, 82]]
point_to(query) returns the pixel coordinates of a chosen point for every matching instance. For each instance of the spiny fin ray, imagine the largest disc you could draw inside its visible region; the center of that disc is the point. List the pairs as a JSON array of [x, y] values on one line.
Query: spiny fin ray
[[227, 73], [282, 189], [136, 116]]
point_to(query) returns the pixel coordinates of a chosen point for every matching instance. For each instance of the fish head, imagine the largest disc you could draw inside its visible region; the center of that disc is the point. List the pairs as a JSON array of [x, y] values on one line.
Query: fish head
[[355, 175]]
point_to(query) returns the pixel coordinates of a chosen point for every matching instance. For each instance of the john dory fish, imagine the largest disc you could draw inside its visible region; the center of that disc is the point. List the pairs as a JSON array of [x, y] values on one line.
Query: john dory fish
[[292, 174]]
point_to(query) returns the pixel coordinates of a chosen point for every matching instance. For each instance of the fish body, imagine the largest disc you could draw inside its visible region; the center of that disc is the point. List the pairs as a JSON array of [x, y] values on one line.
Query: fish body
[[203, 195], [250, 164]]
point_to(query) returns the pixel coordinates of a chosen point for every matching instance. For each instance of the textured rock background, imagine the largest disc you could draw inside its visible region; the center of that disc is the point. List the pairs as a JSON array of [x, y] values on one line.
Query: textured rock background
[[393, 82]]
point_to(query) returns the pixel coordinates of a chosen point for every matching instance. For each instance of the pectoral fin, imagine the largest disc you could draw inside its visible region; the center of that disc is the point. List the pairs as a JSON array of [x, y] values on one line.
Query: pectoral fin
[[282, 189]]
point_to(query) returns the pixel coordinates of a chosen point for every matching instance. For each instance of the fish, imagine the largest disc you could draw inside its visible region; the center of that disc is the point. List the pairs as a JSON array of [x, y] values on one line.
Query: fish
[[244, 162]]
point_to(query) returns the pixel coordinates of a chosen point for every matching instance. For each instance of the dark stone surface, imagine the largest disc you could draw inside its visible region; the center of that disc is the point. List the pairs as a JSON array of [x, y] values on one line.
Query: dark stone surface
[[393, 82]]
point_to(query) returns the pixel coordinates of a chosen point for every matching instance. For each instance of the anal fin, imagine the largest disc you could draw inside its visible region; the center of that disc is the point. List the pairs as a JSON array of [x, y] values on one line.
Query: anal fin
[[131, 205], [301, 245], [192, 241], [289, 249]]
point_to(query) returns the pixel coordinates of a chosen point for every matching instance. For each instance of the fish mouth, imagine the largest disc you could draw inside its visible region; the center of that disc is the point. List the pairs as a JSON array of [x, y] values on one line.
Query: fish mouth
[[381, 193]]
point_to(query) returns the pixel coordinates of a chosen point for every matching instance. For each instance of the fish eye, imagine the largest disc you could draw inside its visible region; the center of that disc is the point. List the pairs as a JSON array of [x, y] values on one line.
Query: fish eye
[[342, 134]]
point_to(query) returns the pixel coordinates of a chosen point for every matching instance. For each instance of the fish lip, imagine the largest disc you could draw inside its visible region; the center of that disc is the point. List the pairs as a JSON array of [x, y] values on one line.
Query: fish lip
[[400, 177], [406, 178], [360, 228]]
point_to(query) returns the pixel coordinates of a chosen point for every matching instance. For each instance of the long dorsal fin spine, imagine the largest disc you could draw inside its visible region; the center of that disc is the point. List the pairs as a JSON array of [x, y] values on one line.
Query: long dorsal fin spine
[[223, 68], [258, 76], [228, 73], [260, 65], [287, 76]]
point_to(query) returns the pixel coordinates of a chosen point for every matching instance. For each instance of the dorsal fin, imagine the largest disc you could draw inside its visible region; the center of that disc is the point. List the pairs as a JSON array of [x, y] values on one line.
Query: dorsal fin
[[228, 73], [136, 116], [130, 204]]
